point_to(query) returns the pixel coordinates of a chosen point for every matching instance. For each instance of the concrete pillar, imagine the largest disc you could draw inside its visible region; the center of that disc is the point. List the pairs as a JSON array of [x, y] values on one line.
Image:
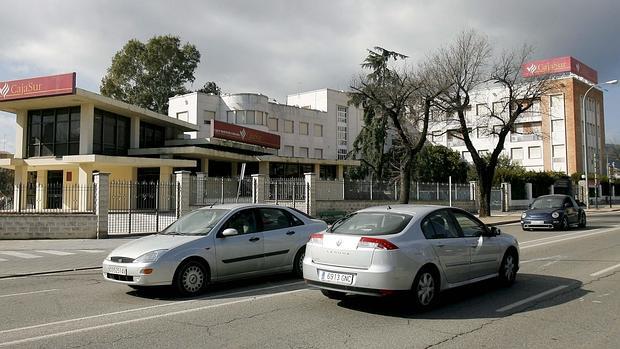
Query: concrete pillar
[[182, 192], [204, 164], [234, 168], [259, 194], [84, 187], [340, 171], [317, 169], [472, 190], [263, 168], [41, 194], [310, 188], [102, 203], [134, 133], [20, 181], [528, 192], [21, 135], [87, 124]]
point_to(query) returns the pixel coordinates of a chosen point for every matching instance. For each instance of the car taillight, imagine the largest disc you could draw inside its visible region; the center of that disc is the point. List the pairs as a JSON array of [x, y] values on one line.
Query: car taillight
[[380, 244], [316, 238]]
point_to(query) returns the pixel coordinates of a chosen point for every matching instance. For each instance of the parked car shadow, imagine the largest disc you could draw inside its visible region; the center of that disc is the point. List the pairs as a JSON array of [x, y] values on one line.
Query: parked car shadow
[[482, 300], [240, 288]]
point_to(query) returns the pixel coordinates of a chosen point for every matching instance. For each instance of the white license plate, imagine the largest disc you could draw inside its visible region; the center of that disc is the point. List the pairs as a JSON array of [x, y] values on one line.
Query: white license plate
[[538, 222], [112, 269], [336, 278]]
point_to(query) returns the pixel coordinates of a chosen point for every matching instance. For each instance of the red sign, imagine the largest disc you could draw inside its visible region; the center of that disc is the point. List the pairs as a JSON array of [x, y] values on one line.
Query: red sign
[[559, 65], [37, 87], [224, 130]]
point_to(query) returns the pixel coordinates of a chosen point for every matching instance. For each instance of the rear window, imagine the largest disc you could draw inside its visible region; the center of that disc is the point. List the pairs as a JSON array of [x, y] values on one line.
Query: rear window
[[372, 223]]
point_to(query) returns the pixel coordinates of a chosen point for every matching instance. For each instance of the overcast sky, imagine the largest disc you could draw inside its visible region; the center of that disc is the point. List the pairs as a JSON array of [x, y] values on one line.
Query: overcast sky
[[283, 47]]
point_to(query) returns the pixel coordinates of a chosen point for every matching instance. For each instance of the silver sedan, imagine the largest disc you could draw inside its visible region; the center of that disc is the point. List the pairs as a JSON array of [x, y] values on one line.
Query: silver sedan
[[215, 244], [422, 250]]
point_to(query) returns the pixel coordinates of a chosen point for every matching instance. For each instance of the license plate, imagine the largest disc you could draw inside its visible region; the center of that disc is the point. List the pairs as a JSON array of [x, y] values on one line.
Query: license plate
[[336, 278], [112, 269], [538, 222]]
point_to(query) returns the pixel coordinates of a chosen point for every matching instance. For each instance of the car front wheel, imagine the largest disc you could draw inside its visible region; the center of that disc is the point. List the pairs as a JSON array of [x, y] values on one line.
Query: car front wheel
[[191, 278], [508, 269], [582, 220]]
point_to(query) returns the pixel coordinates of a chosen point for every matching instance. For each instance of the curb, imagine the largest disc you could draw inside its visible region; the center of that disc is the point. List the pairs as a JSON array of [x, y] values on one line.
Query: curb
[[47, 272]]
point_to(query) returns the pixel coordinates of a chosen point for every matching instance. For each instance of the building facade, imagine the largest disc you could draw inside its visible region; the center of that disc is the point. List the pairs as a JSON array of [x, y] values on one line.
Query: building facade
[[549, 136]]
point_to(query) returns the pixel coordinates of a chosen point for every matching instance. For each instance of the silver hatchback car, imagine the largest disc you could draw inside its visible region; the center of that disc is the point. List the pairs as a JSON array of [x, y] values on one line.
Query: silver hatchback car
[[219, 243], [420, 249]]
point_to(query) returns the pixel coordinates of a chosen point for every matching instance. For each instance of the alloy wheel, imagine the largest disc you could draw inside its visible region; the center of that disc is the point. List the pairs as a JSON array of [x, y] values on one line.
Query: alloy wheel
[[509, 267], [426, 289], [192, 279]]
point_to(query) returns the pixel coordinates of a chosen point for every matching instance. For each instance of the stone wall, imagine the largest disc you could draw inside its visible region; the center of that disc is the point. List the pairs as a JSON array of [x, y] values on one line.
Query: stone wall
[[48, 226]]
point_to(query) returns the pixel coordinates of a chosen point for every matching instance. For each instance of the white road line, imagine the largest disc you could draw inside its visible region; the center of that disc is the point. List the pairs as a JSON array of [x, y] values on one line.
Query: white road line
[[19, 254], [541, 259], [3, 260], [232, 294], [92, 251], [529, 299], [55, 253], [179, 312], [569, 238], [555, 236], [26, 293], [600, 272]]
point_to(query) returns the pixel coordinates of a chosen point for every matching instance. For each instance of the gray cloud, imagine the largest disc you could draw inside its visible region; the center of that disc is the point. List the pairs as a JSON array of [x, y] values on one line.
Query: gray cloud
[[282, 47]]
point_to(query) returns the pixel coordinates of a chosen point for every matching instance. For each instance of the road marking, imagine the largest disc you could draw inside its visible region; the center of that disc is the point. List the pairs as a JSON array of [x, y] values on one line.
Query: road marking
[[92, 251], [569, 238], [145, 318], [554, 237], [541, 259], [600, 272], [529, 299], [26, 293], [232, 294], [55, 253], [3, 260], [20, 254]]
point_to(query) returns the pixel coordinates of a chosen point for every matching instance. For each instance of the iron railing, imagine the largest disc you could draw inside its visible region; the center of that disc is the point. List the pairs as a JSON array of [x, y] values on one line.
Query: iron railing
[[286, 189], [213, 190], [51, 198]]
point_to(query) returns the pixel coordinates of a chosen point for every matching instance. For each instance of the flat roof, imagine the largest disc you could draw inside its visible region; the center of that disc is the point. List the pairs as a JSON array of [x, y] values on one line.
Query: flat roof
[[82, 96], [127, 161]]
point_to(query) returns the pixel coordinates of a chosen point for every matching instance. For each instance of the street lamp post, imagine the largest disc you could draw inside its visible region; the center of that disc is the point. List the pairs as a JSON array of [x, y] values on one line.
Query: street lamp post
[[585, 139]]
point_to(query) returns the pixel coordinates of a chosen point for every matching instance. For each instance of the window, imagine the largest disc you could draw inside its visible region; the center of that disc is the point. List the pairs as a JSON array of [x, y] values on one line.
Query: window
[[259, 118], [303, 128], [516, 153], [342, 154], [250, 117], [240, 116], [467, 156], [481, 109], [372, 223], [437, 136], [342, 114], [111, 133], [208, 116], [53, 132], [183, 116], [483, 152], [559, 151], [274, 219], [534, 152], [272, 124], [439, 225], [287, 150], [318, 153], [498, 108], [483, 132], [230, 116], [244, 222], [557, 126], [151, 136], [327, 172], [303, 152], [318, 130], [469, 226], [288, 126]]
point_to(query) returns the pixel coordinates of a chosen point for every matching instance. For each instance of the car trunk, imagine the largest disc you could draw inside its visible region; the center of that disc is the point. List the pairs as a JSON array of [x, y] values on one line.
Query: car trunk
[[341, 250]]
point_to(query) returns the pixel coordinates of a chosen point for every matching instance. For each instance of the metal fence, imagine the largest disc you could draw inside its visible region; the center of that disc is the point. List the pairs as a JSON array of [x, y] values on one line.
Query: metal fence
[[286, 189], [212, 190], [52, 198], [142, 207]]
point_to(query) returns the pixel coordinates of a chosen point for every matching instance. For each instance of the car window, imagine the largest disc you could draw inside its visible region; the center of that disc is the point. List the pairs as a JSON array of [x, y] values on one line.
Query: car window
[[469, 226], [547, 202], [199, 222], [573, 202], [243, 221], [439, 225], [372, 223], [273, 219]]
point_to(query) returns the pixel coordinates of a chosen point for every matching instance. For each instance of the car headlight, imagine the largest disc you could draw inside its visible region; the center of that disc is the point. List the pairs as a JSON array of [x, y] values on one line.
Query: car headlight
[[109, 257], [523, 215], [555, 214], [150, 257]]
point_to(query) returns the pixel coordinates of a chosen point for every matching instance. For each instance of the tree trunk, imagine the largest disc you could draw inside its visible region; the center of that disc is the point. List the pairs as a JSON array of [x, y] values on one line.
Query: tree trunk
[[486, 183], [405, 183]]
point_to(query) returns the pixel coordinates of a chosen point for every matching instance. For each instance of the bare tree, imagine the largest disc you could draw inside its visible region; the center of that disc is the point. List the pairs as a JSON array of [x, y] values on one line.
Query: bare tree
[[469, 65]]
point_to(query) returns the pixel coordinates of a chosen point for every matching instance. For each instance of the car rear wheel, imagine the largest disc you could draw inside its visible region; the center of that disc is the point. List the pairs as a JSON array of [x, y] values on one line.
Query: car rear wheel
[[334, 294], [425, 289], [582, 220], [298, 263], [191, 278], [508, 269]]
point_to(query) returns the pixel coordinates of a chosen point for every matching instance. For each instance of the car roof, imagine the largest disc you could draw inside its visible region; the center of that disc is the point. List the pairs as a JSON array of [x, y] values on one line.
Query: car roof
[[234, 206], [553, 196], [411, 209]]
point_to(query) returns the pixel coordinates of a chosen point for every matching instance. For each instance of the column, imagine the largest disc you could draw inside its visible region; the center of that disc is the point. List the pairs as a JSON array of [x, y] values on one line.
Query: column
[[85, 186], [21, 182], [87, 122], [340, 171], [317, 169], [528, 192], [310, 189], [263, 168], [102, 203], [204, 163], [21, 135], [182, 192], [134, 133], [165, 183], [258, 188], [41, 194]]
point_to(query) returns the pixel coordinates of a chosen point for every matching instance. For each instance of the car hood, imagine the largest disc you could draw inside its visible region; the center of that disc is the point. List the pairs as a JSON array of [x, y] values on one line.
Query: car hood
[[150, 243]]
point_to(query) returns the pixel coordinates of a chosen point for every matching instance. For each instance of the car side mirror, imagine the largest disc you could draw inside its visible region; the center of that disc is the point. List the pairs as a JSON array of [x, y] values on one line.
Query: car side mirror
[[567, 205], [230, 232], [495, 231]]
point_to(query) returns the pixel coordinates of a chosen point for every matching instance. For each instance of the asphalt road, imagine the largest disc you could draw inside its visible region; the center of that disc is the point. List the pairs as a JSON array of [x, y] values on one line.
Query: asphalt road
[[567, 295]]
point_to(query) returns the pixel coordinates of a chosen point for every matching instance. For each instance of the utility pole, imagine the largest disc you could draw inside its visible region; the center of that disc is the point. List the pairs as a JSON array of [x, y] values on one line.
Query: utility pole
[[596, 180]]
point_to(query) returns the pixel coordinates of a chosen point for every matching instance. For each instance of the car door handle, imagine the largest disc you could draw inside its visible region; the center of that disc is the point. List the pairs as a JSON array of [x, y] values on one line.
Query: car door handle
[[290, 232], [254, 239]]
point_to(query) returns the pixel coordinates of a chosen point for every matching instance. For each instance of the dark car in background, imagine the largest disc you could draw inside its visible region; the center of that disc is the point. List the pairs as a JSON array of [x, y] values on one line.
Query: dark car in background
[[553, 212]]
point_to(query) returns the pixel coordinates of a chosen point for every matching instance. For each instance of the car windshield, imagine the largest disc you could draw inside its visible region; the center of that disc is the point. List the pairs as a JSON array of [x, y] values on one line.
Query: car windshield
[[371, 223], [199, 222], [550, 202]]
